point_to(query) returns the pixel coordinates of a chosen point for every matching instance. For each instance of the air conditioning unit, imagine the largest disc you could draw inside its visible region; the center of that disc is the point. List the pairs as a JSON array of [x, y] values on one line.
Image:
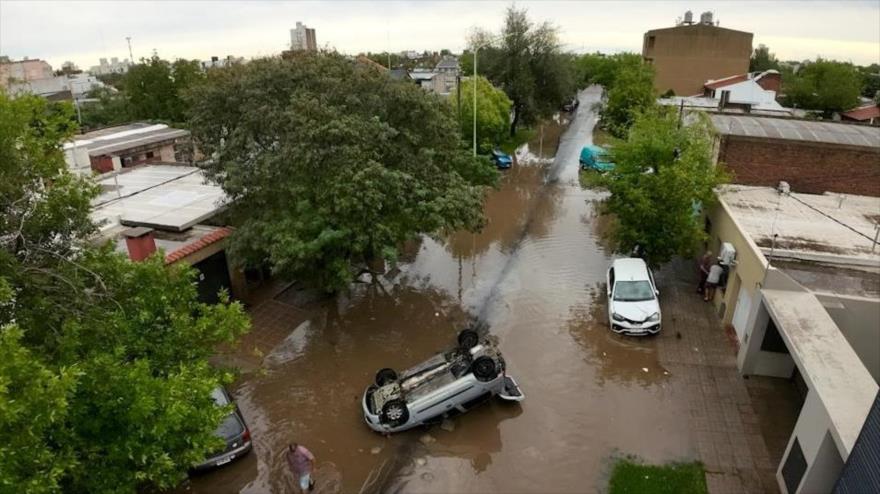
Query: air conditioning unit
[[727, 256]]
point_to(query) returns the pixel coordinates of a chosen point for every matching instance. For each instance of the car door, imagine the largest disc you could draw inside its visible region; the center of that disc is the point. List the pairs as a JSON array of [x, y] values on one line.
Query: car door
[[653, 284]]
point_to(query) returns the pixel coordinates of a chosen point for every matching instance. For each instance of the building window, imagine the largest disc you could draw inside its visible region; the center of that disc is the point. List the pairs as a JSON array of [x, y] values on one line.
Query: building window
[[149, 155], [651, 40], [127, 161]]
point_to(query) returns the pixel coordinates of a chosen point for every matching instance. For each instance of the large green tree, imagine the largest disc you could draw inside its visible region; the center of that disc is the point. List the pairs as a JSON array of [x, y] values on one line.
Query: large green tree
[[111, 108], [826, 85], [154, 88], [331, 165], [493, 112], [631, 93], [664, 173], [527, 62], [598, 68], [104, 384], [763, 60]]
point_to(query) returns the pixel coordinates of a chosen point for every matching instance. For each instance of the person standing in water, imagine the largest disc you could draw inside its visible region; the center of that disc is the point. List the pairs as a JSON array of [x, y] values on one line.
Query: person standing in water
[[301, 462]]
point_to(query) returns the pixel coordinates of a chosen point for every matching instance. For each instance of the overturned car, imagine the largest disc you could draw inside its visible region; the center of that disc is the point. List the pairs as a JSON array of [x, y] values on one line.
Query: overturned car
[[450, 382]]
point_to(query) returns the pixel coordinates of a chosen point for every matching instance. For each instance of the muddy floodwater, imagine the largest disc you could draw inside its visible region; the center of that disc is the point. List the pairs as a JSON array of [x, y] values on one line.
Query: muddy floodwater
[[535, 275]]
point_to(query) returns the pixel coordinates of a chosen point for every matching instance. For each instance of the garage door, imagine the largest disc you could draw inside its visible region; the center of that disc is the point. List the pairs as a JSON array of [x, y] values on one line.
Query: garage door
[[741, 312]]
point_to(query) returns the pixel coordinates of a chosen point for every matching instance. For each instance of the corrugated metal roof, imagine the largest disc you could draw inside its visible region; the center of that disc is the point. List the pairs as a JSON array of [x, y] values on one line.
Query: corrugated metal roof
[[797, 130]]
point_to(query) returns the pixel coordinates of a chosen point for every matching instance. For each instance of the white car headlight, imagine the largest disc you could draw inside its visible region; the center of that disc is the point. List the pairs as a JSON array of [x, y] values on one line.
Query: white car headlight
[[616, 316], [654, 317]]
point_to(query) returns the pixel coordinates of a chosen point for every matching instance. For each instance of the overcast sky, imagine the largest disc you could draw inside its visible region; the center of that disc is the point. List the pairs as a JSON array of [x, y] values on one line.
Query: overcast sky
[[84, 31]]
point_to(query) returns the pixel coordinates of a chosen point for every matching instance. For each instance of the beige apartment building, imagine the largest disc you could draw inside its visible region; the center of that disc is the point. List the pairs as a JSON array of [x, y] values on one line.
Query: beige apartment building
[[687, 55]]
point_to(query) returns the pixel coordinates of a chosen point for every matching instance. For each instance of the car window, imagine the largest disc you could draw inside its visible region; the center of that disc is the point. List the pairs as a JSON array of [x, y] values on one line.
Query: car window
[[633, 291], [611, 277], [603, 158], [230, 428]]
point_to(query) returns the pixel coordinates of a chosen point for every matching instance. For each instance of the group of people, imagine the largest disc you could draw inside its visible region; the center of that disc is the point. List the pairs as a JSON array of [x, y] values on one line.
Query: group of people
[[710, 271]]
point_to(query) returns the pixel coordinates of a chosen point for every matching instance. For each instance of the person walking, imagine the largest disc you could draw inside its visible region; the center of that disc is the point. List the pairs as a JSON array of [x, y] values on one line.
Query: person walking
[[712, 281], [301, 462], [703, 267]]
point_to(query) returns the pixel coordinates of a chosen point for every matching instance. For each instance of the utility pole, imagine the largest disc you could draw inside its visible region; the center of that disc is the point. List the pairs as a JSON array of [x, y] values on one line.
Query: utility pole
[[458, 90], [130, 56]]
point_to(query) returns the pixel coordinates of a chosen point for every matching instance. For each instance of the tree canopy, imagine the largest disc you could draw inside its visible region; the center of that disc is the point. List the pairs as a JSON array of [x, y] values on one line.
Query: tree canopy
[[825, 85], [493, 112], [597, 68], [104, 381], [663, 173], [330, 164], [528, 64], [631, 93], [762, 60]]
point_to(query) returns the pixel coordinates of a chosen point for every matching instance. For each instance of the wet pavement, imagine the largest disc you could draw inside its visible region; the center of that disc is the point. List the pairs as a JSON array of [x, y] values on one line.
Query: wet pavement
[[535, 275]]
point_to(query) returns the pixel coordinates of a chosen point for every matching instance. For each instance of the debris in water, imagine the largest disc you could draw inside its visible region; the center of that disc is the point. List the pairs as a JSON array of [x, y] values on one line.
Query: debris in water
[[665, 373], [448, 425], [427, 439], [360, 450], [436, 314], [678, 334], [696, 349], [427, 476], [644, 369], [603, 354], [420, 462], [376, 450]]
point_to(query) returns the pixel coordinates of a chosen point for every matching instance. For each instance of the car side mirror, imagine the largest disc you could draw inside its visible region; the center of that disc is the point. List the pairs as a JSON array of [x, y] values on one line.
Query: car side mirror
[[656, 292]]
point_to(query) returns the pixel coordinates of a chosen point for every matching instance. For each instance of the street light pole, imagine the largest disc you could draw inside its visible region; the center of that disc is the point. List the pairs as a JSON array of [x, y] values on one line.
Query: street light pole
[[474, 82], [130, 56]]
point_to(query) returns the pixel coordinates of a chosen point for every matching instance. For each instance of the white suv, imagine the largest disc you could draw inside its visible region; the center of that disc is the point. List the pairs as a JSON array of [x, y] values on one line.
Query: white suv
[[450, 382], [633, 306]]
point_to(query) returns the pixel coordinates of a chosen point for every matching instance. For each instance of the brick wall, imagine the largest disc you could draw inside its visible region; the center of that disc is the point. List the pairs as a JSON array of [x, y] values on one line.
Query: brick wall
[[806, 166]]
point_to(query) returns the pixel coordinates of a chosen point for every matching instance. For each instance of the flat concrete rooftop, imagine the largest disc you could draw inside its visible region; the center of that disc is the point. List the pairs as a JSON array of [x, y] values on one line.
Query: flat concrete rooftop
[[825, 228], [165, 197], [827, 362]]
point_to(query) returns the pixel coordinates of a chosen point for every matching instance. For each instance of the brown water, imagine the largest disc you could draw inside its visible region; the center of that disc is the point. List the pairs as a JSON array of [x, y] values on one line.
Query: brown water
[[536, 275]]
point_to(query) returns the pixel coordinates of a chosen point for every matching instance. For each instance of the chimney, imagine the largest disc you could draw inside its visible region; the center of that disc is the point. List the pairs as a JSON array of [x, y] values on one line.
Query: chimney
[[140, 243]]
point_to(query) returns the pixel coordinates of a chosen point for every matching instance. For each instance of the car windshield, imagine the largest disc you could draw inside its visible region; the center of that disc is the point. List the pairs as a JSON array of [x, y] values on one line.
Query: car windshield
[[603, 158], [230, 428], [633, 291]]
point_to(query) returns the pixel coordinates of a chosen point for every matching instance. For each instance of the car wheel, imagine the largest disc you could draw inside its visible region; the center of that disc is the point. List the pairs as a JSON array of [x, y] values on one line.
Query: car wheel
[[484, 369], [395, 413], [385, 376], [468, 339]]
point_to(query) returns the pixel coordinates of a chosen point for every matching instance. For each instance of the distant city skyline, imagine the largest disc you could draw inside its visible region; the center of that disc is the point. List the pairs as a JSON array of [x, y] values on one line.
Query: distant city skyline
[[845, 31]]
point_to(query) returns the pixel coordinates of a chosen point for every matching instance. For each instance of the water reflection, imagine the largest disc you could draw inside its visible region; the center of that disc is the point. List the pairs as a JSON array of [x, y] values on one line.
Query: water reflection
[[617, 358]]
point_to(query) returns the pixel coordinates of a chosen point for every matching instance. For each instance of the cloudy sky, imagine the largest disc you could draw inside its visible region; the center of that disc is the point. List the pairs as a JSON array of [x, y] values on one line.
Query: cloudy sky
[[84, 31]]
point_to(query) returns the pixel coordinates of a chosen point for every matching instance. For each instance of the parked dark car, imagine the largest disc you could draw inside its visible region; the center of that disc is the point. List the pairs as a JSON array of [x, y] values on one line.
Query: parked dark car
[[501, 159], [570, 106], [233, 430]]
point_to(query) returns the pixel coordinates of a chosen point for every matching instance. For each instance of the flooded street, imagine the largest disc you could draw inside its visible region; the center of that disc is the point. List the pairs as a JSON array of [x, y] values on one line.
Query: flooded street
[[535, 275]]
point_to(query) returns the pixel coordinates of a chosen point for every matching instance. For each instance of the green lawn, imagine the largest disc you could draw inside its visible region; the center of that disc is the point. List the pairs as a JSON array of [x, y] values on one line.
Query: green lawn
[[629, 477], [602, 138]]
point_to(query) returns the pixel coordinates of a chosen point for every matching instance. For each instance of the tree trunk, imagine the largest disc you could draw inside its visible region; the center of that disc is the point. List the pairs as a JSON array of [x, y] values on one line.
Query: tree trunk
[[516, 111]]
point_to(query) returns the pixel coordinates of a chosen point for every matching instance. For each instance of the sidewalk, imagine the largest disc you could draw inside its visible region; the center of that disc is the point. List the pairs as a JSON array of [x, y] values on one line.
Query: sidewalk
[[694, 347]]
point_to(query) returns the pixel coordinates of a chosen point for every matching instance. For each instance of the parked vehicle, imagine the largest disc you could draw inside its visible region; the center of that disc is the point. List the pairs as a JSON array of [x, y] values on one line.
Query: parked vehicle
[[595, 158], [450, 382], [571, 105], [233, 430], [633, 304], [501, 159]]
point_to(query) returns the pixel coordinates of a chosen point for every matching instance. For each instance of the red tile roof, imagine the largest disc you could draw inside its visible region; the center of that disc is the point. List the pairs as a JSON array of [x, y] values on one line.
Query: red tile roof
[[191, 248], [863, 113], [726, 81]]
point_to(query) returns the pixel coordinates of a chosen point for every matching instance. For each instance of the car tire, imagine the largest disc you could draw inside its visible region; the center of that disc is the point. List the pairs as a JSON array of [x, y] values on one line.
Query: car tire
[[395, 413], [385, 376], [467, 339], [484, 369]]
